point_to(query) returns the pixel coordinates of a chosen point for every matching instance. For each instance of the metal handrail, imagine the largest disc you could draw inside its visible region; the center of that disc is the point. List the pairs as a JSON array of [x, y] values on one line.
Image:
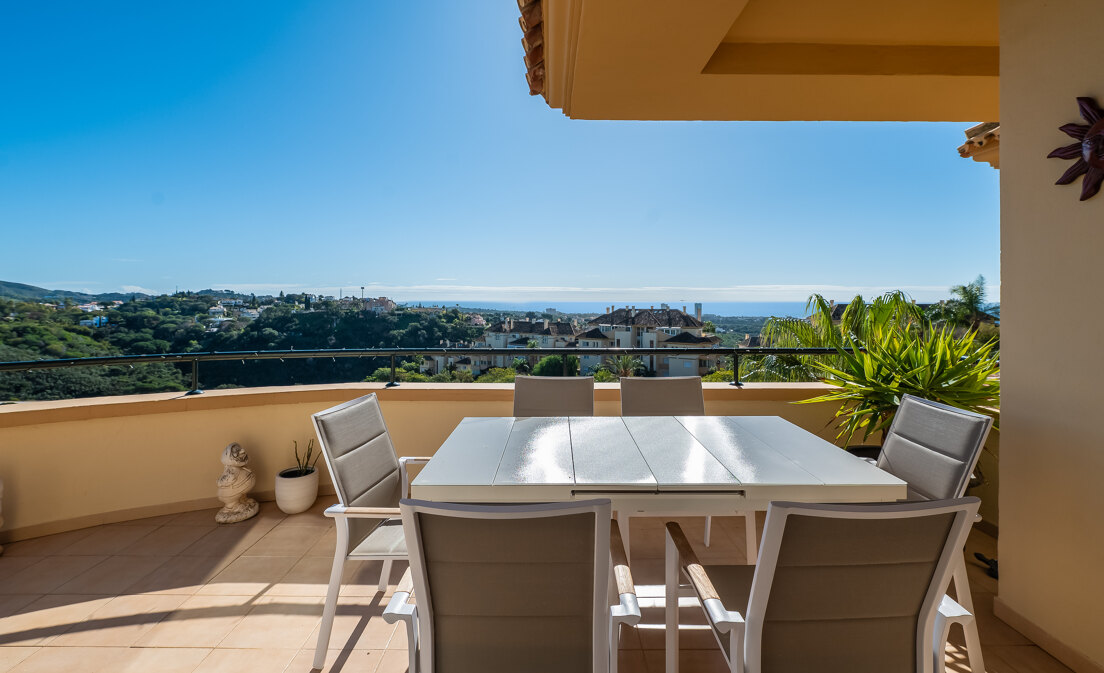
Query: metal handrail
[[394, 353]]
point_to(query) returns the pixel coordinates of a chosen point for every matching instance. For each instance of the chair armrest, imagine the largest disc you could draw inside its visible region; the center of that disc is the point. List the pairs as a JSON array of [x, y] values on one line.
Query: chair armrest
[[723, 619], [690, 564], [341, 511], [951, 611], [404, 473], [628, 611]]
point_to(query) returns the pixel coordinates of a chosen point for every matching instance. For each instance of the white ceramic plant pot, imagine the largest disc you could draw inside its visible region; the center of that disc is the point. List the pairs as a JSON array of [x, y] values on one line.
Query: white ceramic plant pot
[[296, 494]]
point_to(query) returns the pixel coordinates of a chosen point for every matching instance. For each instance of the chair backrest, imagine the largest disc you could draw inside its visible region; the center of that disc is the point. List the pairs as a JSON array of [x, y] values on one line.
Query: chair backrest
[[554, 396], [662, 396], [360, 457], [934, 447], [510, 587], [852, 587]]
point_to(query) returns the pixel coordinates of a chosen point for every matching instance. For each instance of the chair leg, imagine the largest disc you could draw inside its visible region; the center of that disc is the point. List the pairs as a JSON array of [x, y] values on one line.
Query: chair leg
[[752, 540], [962, 595], [708, 527], [330, 607], [385, 576], [670, 605]]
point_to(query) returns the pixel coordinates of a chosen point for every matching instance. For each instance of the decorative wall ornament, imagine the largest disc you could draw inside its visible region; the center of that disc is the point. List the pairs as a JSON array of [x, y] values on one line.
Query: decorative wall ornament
[[234, 484], [1088, 150]]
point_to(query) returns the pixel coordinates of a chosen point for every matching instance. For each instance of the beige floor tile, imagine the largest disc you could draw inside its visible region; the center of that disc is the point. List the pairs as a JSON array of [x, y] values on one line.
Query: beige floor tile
[[337, 661], [199, 517], [10, 565], [694, 632], [237, 661], [632, 661], [310, 576], [225, 542], [12, 603], [10, 656], [47, 545], [83, 659], [182, 575], [358, 625], [48, 574], [161, 659], [394, 661], [200, 621], [165, 541], [42, 620], [1022, 659], [276, 621], [107, 540], [362, 577], [696, 661], [150, 520], [286, 541], [249, 576], [112, 576], [325, 545], [120, 622]]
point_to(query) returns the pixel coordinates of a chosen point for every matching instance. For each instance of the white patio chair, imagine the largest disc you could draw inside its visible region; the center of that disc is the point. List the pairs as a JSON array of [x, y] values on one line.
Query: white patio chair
[[856, 588], [369, 479], [935, 448], [512, 588], [544, 396]]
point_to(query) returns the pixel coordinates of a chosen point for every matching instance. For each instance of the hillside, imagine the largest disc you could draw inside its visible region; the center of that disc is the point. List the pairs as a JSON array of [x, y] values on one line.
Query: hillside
[[25, 292]]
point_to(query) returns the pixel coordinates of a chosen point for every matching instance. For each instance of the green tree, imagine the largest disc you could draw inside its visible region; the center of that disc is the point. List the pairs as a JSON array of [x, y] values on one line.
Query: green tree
[[553, 365], [708, 327], [498, 375]]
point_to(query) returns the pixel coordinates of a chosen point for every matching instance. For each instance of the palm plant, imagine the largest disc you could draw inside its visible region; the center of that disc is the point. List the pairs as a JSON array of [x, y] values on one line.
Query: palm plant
[[969, 305], [623, 365], [873, 373], [821, 330]]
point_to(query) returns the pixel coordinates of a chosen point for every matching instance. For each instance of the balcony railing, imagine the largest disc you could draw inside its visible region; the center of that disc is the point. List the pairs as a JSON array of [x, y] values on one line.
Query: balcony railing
[[394, 354]]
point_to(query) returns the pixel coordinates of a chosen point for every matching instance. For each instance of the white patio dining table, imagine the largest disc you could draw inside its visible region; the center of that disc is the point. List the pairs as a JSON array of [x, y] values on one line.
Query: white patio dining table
[[649, 465]]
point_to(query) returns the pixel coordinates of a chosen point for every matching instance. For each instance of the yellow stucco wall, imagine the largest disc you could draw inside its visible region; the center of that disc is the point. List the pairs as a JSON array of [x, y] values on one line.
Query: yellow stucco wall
[[1052, 444], [83, 462]]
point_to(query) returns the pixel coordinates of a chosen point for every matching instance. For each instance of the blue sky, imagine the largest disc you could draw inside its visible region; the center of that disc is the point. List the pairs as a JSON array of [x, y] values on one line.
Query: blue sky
[[266, 146]]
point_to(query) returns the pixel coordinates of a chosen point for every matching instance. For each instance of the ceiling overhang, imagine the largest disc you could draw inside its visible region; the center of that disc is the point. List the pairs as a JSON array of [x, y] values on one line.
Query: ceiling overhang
[[769, 59]]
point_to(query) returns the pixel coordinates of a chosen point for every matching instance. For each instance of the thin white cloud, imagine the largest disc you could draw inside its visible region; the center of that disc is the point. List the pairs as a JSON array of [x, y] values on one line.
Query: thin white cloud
[[660, 293], [139, 289], [443, 279]]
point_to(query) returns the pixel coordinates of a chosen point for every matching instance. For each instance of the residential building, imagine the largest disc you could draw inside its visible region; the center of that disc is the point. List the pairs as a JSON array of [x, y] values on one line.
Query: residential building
[[94, 321], [514, 334], [629, 327]]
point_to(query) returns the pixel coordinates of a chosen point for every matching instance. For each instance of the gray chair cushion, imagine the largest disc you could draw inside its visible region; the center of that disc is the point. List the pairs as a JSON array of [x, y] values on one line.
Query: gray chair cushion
[[386, 539], [666, 396], [554, 396], [933, 447], [362, 460], [510, 594]]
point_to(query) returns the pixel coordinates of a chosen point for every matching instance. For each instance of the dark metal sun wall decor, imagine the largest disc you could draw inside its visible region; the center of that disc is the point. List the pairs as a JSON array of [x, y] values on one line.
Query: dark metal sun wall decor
[[1088, 150]]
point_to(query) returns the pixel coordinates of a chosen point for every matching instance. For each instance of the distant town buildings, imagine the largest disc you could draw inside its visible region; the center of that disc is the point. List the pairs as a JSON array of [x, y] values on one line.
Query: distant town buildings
[[626, 327]]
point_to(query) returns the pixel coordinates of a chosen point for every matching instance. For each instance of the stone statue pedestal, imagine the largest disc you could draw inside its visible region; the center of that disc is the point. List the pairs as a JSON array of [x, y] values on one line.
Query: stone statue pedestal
[[234, 484]]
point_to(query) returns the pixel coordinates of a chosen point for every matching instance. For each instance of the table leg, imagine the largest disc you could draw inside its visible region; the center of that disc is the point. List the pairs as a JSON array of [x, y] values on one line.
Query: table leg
[[670, 605], [623, 524], [751, 538]]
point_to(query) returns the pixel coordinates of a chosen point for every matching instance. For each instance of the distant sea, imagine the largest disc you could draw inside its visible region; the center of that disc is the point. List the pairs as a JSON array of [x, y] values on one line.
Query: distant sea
[[782, 309]]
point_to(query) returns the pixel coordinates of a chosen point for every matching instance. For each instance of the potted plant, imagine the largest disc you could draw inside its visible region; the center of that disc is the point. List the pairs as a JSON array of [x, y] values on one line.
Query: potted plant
[[931, 363], [297, 487]]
